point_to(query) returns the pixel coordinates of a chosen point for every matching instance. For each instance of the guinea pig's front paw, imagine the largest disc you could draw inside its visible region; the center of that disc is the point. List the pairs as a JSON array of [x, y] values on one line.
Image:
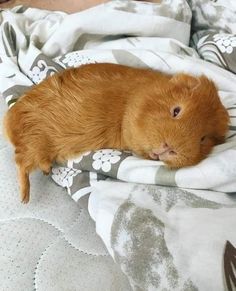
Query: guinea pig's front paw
[[153, 155]]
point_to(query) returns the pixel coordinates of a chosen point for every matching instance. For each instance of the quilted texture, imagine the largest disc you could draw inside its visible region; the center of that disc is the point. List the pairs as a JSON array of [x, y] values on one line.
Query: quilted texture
[[50, 244]]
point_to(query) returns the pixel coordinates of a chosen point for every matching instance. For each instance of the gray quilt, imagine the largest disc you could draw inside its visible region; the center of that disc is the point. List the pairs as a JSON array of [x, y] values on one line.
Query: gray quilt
[[168, 230]]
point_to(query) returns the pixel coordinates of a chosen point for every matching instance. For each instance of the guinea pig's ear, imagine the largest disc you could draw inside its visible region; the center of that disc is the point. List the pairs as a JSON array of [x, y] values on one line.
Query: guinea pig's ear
[[186, 81], [207, 83]]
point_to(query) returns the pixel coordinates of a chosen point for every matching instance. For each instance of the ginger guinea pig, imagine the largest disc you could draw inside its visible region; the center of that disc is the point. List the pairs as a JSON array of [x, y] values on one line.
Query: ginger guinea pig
[[176, 119]]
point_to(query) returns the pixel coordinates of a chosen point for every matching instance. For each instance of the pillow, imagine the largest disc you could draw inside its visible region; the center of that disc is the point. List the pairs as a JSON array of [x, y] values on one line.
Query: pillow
[[216, 47], [213, 14]]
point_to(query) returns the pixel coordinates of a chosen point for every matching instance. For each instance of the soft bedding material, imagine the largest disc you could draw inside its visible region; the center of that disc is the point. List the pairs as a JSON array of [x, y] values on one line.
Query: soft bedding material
[[214, 27], [167, 230]]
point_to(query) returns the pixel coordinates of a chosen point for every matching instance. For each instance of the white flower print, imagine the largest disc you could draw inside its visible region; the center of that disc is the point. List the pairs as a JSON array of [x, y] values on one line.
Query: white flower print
[[37, 75], [39, 72], [76, 59], [64, 176], [225, 42], [103, 159]]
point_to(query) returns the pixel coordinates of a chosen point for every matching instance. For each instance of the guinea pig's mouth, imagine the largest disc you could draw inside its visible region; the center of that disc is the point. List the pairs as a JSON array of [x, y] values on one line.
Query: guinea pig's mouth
[[161, 155]]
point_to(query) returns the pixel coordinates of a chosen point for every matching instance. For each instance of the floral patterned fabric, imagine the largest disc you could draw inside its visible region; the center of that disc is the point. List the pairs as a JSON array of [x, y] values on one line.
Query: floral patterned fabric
[[218, 48], [214, 31], [167, 229]]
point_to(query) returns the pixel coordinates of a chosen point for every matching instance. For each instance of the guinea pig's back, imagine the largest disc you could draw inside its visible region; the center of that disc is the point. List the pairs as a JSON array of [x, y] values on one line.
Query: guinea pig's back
[[75, 105]]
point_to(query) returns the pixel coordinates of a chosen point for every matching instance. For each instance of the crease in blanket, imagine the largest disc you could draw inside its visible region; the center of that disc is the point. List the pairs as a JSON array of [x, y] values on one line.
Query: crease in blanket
[[167, 229]]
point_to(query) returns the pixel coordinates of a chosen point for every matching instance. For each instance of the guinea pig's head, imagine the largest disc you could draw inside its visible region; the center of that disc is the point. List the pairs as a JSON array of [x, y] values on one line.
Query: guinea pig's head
[[180, 122]]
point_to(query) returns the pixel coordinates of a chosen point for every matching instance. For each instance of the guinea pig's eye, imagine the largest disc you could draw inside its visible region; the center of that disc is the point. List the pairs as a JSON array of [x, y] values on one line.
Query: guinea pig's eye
[[203, 139], [175, 111]]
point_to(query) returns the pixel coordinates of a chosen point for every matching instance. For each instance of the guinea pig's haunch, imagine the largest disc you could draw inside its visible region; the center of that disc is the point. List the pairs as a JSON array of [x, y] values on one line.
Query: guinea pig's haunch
[[177, 119]]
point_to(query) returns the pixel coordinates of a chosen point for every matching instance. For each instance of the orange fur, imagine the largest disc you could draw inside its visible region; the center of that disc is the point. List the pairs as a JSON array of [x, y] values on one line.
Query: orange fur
[[100, 106]]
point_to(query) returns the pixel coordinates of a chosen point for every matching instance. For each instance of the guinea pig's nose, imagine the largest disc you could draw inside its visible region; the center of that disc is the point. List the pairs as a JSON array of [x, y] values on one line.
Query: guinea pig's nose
[[165, 146], [167, 149], [162, 153]]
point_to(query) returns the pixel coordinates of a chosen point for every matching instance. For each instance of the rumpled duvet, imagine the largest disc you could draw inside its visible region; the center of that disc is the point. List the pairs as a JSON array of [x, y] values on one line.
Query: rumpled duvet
[[167, 229]]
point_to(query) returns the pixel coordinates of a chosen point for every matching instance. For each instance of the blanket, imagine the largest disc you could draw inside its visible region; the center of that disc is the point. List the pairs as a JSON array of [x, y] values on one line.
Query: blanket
[[167, 229]]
